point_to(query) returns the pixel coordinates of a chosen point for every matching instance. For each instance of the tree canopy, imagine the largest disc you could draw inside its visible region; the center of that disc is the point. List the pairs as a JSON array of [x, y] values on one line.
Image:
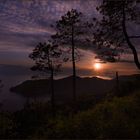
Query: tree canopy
[[113, 30], [46, 57]]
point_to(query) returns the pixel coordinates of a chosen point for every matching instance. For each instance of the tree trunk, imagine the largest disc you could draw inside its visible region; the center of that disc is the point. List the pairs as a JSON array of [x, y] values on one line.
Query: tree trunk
[[117, 83], [136, 60], [74, 69], [52, 92]]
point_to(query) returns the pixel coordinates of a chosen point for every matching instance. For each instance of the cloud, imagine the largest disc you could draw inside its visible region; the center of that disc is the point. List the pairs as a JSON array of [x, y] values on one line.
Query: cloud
[[23, 23]]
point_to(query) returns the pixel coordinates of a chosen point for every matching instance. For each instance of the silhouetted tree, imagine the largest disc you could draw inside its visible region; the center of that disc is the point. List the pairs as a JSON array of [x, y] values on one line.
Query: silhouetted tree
[[112, 31], [68, 31], [46, 57], [1, 86]]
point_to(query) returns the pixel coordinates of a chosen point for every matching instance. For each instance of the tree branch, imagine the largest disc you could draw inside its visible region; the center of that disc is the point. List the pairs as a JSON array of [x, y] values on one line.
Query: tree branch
[[136, 60], [135, 37]]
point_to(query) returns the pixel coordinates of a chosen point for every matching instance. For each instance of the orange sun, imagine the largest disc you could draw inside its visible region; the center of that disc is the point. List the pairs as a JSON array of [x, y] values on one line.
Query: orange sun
[[97, 66]]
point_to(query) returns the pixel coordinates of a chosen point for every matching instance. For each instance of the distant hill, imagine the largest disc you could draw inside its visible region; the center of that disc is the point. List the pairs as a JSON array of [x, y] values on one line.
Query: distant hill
[[63, 87], [85, 86], [129, 77]]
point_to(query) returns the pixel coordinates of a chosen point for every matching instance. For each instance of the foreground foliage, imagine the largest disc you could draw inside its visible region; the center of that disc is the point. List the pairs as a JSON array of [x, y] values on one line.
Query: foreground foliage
[[118, 117]]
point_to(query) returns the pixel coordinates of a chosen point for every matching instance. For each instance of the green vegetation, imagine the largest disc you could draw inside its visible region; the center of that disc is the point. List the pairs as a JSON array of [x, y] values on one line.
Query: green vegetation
[[109, 117], [115, 118]]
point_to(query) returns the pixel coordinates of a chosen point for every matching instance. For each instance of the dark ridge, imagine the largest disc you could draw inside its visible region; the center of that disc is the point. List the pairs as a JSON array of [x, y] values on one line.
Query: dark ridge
[[63, 87]]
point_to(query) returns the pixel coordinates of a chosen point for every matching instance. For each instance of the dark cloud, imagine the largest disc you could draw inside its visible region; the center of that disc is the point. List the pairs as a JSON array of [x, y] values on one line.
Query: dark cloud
[[23, 23]]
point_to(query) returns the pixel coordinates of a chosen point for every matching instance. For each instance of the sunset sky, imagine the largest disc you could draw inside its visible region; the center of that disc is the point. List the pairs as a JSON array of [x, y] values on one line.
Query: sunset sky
[[24, 23]]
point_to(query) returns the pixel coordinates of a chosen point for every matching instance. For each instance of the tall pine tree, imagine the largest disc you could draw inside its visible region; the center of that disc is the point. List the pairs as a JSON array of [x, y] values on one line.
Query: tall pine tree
[[68, 32], [113, 31], [47, 59]]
